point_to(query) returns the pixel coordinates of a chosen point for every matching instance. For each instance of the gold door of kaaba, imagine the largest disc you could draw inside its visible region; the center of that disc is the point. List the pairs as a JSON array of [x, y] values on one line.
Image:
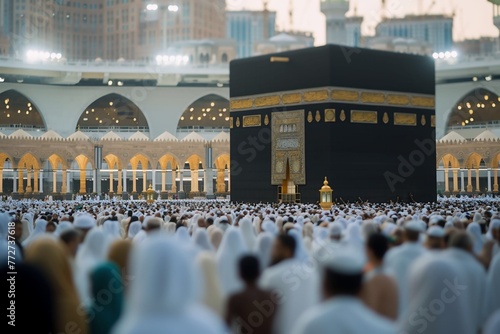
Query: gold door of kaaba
[[288, 153]]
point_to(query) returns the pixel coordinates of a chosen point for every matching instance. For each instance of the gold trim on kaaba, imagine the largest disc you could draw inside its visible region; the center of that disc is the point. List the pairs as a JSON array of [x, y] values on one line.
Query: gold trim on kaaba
[[251, 121], [433, 121], [315, 96], [422, 120], [367, 97], [230, 122], [266, 120], [267, 101], [329, 115], [363, 116], [241, 104], [237, 122], [317, 117], [332, 94], [345, 95], [309, 117], [399, 100], [342, 115], [405, 119], [291, 98], [422, 101], [385, 118]]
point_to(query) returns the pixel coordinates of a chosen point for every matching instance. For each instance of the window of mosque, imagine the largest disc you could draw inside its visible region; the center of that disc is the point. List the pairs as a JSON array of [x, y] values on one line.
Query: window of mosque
[[113, 111], [17, 111], [478, 108], [208, 112]]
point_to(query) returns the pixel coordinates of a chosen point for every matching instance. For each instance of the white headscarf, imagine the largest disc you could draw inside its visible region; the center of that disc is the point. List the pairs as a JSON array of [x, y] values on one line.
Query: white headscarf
[[28, 216], [39, 230], [300, 249], [133, 229], [492, 287], [163, 294], [248, 233], [230, 250], [264, 247], [112, 229], [492, 326], [201, 240], [474, 231], [92, 251], [428, 278]]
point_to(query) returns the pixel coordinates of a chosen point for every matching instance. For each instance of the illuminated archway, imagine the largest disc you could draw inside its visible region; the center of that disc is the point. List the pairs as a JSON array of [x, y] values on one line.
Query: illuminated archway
[[17, 111], [473, 163], [222, 164], [57, 165], [139, 162], [168, 164], [209, 112], [113, 112], [28, 165], [478, 107], [450, 165], [6, 163]]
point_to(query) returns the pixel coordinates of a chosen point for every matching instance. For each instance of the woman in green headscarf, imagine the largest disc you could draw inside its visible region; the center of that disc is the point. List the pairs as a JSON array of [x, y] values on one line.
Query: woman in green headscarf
[[107, 298]]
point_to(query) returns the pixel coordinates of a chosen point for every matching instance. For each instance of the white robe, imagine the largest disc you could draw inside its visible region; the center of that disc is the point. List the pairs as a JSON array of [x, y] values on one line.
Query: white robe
[[396, 262], [164, 295], [342, 314], [297, 285], [493, 285], [473, 275], [436, 303], [232, 247]]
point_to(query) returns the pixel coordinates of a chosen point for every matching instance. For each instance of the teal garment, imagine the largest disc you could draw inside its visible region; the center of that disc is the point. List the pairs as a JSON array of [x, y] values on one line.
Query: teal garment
[[107, 298]]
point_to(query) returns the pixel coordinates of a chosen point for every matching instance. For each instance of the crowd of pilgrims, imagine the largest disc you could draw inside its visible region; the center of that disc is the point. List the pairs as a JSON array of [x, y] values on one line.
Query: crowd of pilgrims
[[198, 266]]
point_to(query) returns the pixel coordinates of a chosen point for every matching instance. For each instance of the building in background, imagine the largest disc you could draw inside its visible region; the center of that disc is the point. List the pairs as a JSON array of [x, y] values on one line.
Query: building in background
[[477, 47], [398, 44], [250, 27], [434, 29], [284, 41], [108, 29]]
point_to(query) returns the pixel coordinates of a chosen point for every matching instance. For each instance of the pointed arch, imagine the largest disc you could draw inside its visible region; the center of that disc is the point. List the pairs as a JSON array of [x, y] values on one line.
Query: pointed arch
[[113, 111], [195, 161], [449, 161], [479, 106], [473, 161], [28, 161], [139, 159], [495, 161], [208, 112], [17, 110], [166, 159], [55, 160], [4, 157], [222, 161], [112, 161], [82, 161]]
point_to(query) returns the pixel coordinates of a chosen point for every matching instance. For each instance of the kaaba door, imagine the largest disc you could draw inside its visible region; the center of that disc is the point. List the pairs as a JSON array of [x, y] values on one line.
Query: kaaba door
[[288, 186]]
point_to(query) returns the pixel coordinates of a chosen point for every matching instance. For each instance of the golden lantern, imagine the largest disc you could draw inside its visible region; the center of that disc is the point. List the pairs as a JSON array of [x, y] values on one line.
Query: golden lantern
[[325, 196], [150, 194]]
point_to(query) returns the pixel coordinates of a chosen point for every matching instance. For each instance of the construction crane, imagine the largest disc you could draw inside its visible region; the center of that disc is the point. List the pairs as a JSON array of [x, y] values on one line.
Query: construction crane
[[290, 13]]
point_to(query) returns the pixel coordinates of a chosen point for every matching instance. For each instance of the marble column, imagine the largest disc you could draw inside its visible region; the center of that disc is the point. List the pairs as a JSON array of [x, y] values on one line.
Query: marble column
[[83, 182], [469, 180], [119, 187], [163, 181], [54, 181], [40, 189], [446, 181], [455, 180], [489, 180]]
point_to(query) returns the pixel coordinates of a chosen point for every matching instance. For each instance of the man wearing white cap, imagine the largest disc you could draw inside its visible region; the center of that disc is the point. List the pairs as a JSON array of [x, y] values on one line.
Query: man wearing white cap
[[84, 222], [343, 311], [398, 259], [435, 238]]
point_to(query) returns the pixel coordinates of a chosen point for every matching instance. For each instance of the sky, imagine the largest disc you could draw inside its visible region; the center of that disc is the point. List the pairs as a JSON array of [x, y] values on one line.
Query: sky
[[473, 18]]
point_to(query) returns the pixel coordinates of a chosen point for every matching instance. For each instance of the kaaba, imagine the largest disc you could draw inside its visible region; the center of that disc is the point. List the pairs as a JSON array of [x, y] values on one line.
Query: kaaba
[[362, 118]]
